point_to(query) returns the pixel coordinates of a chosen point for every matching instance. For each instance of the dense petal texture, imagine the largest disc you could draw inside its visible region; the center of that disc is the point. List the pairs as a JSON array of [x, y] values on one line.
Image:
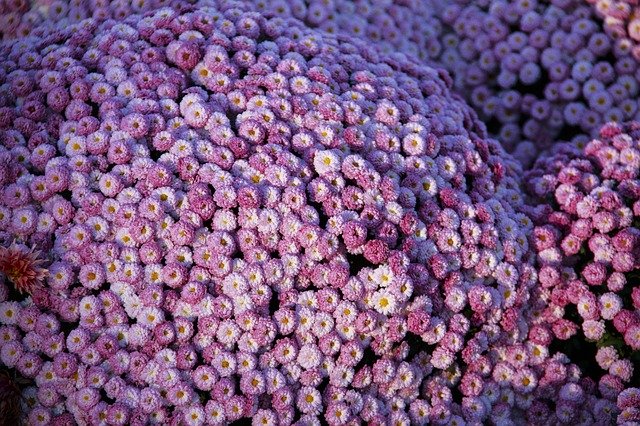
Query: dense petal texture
[[285, 212], [588, 245], [286, 209]]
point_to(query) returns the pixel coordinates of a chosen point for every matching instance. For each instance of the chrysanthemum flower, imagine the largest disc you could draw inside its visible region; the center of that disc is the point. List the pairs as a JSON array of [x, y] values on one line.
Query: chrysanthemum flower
[[23, 267], [584, 186]]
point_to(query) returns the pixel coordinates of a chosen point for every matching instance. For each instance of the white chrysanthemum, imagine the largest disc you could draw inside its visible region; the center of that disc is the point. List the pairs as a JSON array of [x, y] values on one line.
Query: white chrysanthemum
[[384, 302], [151, 371], [305, 319], [383, 276], [183, 309], [309, 357], [228, 332], [326, 162], [346, 331], [242, 304], [234, 284], [166, 357], [393, 212], [323, 324], [149, 317], [132, 304], [420, 234], [308, 299], [205, 306], [153, 274]]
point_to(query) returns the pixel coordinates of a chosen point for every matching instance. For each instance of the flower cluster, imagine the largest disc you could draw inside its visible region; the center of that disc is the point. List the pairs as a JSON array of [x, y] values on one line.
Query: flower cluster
[[587, 238], [245, 217], [410, 27], [620, 21], [23, 18], [274, 210], [537, 71], [534, 71]]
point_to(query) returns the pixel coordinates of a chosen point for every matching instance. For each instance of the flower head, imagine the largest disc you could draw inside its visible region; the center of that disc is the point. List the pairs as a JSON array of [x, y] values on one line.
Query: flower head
[[23, 267]]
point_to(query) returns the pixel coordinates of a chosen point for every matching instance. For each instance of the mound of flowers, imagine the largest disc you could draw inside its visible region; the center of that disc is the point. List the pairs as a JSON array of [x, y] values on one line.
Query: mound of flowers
[[408, 26], [209, 215], [587, 240], [535, 72], [216, 212]]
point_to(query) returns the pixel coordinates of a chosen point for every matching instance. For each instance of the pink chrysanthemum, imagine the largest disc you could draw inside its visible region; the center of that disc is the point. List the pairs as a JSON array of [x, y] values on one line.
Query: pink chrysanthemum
[[23, 267]]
